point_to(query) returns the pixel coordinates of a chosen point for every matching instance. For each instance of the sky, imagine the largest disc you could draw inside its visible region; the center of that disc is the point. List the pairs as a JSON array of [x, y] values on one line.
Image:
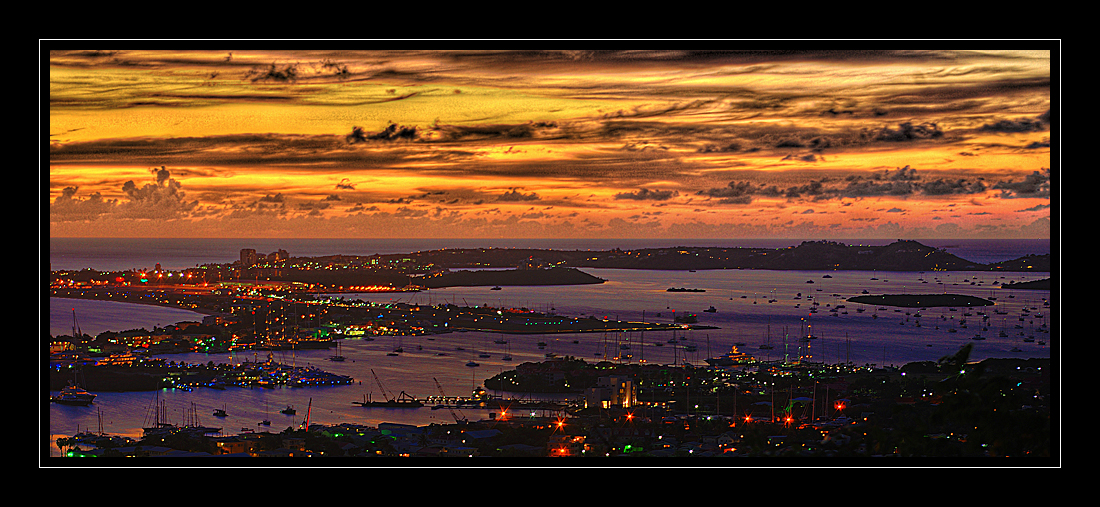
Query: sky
[[815, 144]]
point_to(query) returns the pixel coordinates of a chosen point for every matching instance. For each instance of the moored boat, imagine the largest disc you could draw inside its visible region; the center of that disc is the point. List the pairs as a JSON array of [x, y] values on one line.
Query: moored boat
[[73, 394], [731, 358]]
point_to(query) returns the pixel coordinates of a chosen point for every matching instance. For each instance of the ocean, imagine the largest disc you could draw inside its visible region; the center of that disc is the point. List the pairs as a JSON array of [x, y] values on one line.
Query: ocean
[[751, 307]]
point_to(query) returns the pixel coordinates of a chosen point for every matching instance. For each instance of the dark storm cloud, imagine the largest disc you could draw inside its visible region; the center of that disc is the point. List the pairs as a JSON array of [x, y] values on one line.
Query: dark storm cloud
[[392, 132], [1036, 184], [900, 182], [809, 157], [528, 130], [731, 147], [1037, 124], [736, 192], [907, 132], [514, 195], [952, 187], [645, 194]]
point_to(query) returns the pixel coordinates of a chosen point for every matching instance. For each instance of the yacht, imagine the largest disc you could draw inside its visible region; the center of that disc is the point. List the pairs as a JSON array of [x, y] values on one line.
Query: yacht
[[73, 394]]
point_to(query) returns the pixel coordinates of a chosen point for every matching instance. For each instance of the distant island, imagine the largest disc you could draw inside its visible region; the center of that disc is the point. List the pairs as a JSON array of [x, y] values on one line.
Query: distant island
[[902, 255], [921, 300], [456, 267], [1043, 284], [515, 277]]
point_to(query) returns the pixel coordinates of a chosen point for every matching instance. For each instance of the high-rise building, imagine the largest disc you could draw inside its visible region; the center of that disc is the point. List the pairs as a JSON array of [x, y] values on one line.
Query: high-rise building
[[248, 257]]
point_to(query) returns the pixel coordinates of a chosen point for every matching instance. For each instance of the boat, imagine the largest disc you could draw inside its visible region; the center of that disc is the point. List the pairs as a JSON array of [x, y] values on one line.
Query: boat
[[266, 421], [289, 410], [193, 427], [683, 289], [158, 426], [472, 364], [73, 394], [220, 412], [496, 288], [337, 357], [711, 310], [403, 400], [733, 357]]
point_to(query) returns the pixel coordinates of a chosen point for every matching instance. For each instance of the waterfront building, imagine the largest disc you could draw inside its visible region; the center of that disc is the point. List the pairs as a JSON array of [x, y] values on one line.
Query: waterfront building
[[611, 391]]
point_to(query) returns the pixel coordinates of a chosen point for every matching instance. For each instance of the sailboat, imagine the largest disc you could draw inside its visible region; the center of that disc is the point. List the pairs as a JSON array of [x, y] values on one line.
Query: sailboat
[[193, 427], [160, 425], [768, 344], [338, 356], [266, 421]]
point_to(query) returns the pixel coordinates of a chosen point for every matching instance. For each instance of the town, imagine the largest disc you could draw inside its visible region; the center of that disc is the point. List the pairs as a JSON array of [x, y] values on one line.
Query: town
[[952, 408]]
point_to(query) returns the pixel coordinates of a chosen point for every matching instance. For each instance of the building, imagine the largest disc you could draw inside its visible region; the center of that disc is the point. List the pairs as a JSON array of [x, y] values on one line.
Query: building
[[248, 257], [566, 445], [612, 391]]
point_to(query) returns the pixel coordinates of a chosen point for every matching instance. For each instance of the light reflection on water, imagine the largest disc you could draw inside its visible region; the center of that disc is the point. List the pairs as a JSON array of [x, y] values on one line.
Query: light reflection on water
[[739, 296]]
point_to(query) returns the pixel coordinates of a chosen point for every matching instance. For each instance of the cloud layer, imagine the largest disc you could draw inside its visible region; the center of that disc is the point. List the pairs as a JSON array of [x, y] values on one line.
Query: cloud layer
[[604, 143]]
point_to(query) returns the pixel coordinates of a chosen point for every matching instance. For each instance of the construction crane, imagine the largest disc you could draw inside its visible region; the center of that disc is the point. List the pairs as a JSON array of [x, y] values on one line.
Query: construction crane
[[382, 387], [442, 394]]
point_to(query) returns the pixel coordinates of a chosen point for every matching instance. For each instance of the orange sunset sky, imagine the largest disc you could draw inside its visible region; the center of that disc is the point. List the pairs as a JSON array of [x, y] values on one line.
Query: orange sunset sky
[[822, 144]]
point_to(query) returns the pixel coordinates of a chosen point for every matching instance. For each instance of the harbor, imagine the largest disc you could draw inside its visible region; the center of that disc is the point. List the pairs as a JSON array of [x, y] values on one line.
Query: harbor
[[857, 334]]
